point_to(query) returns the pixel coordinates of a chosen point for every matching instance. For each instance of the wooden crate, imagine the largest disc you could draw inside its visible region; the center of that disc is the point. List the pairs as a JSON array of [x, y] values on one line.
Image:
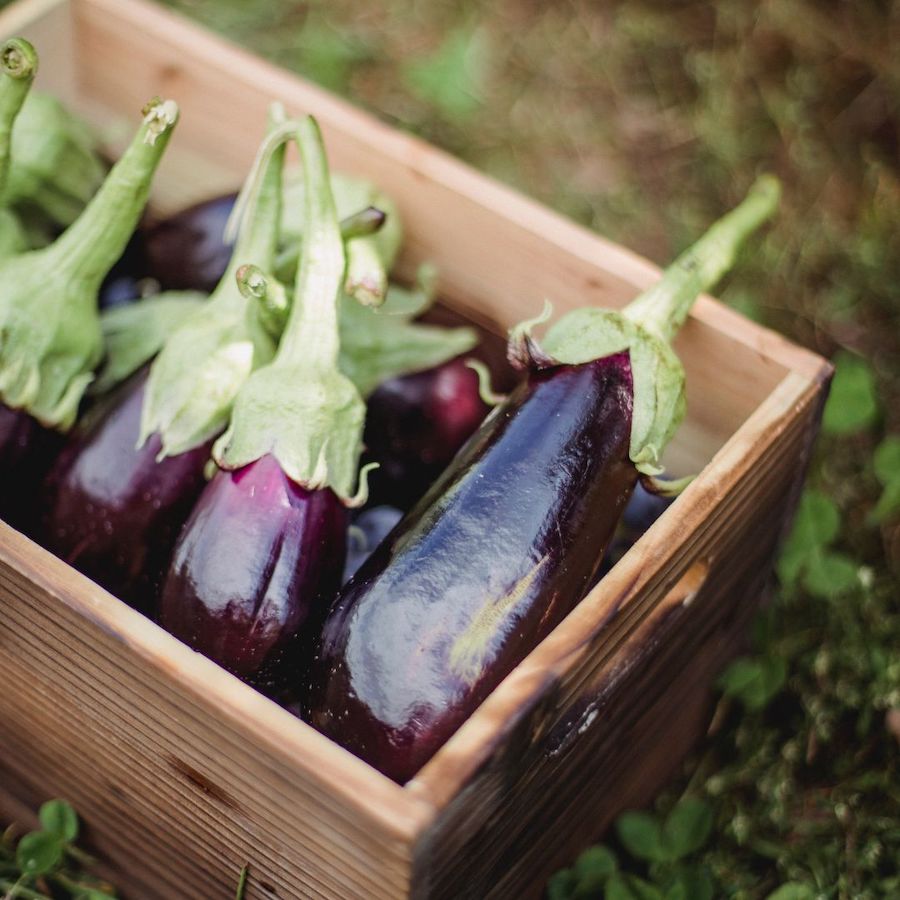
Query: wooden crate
[[182, 773]]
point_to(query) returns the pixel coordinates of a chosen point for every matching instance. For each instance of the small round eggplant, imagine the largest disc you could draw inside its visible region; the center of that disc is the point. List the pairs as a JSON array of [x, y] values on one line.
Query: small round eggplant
[[415, 424], [113, 511], [255, 569], [490, 560], [187, 251]]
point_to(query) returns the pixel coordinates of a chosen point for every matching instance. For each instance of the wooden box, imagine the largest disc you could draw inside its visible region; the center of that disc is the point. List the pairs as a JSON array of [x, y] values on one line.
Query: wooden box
[[182, 773]]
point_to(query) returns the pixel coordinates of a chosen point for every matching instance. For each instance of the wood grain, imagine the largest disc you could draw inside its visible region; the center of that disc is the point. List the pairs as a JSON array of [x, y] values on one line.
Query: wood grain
[[183, 773]]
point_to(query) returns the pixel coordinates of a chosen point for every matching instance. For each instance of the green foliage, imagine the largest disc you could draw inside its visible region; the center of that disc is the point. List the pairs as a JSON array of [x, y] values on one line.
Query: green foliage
[[793, 891], [754, 681], [46, 863], [659, 847], [853, 403], [59, 819], [886, 463], [39, 852], [451, 78], [808, 556]]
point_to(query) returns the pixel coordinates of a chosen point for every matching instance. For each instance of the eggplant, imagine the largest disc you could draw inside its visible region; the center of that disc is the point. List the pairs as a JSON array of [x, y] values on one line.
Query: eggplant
[[50, 337], [260, 556], [188, 251], [643, 509], [507, 541], [415, 424], [289, 459], [114, 511], [117, 497], [370, 527]]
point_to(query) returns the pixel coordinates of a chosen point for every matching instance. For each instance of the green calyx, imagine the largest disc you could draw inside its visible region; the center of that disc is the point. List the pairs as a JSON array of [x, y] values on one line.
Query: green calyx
[[208, 357], [375, 344], [135, 332], [648, 324], [55, 167], [50, 337], [370, 257], [300, 407]]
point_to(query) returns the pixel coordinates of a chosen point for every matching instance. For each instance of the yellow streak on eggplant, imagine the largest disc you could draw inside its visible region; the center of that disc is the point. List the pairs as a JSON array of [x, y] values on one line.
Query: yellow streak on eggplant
[[469, 651]]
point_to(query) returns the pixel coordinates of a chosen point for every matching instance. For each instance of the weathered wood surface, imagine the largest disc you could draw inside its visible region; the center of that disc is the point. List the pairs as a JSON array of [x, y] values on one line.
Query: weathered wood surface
[[184, 774]]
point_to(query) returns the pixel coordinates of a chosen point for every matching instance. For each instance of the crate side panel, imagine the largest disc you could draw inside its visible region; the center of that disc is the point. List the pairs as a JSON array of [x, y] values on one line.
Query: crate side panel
[[171, 793]]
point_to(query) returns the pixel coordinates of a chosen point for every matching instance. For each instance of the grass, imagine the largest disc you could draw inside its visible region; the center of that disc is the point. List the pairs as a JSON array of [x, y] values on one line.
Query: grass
[[645, 121]]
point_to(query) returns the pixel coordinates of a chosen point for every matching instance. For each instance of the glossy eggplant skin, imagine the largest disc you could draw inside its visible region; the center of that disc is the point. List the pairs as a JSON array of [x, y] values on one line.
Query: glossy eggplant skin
[[493, 557], [187, 251], [18, 435], [255, 569], [415, 424], [27, 451], [111, 510], [17, 431]]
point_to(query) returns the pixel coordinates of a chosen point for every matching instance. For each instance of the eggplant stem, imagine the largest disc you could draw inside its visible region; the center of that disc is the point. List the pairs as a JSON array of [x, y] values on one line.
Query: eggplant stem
[[311, 333], [364, 223], [19, 59], [91, 245], [485, 389], [663, 308], [19, 62], [522, 350], [268, 293]]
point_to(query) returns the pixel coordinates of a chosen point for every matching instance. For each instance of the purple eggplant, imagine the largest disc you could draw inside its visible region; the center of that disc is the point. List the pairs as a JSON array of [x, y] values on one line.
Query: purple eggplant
[[50, 336], [115, 511], [370, 527], [188, 251], [415, 424], [257, 566], [118, 496], [537, 548], [507, 541], [643, 509], [260, 556]]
